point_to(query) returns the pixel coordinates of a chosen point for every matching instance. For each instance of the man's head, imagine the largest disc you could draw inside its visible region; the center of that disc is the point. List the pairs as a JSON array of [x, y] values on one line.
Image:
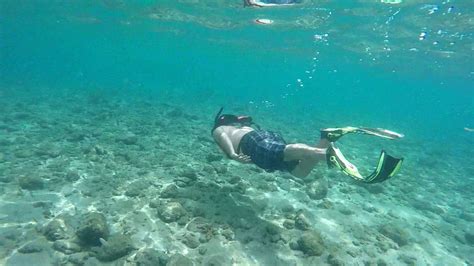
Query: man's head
[[228, 120]]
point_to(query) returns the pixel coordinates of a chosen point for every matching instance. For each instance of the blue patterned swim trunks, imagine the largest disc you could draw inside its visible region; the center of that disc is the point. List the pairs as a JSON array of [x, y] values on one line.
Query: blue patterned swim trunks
[[266, 150]]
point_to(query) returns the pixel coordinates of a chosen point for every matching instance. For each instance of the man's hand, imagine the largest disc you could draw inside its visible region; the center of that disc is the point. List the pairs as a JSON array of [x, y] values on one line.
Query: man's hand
[[241, 158]]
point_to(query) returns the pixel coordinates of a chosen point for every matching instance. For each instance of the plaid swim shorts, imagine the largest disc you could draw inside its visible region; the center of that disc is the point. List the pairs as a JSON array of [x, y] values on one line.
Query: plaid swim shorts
[[266, 149]]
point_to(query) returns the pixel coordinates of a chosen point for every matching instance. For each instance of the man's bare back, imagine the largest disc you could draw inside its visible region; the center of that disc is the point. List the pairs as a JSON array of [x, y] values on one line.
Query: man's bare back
[[233, 133]]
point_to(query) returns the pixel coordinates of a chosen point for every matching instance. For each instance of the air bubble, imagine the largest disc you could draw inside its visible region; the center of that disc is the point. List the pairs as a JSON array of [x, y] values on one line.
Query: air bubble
[[422, 36]]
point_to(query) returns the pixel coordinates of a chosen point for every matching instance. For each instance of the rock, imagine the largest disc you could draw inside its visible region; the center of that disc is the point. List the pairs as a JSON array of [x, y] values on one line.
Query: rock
[[93, 226], [311, 244], [289, 224], [199, 225], [216, 260], [23, 153], [334, 261], [72, 176], [219, 168], [272, 229], [48, 150], [56, 229], [99, 150], [6, 178], [318, 189], [460, 238], [179, 260], [228, 234], [31, 182], [66, 246], [191, 240], [21, 115], [288, 208], [212, 157], [188, 172], [369, 208], [115, 247], [407, 259], [151, 257], [202, 226], [374, 188], [469, 236], [301, 222], [136, 188], [170, 191], [156, 203], [76, 136], [395, 233], [202, 250], [467, 216], [78, 258], [346, 211], [183, 181], [234, 180], [32, 247], [426, 205], [241, 187], [171, 212], [175, 113], [128, 138], [294, 245]]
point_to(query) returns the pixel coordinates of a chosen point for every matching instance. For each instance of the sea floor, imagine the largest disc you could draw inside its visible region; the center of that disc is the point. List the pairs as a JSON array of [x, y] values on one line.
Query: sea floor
[[88, 179]]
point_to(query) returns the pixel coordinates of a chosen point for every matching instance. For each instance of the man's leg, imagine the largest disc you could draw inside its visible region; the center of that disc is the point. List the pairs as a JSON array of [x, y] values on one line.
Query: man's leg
[[307, 156]]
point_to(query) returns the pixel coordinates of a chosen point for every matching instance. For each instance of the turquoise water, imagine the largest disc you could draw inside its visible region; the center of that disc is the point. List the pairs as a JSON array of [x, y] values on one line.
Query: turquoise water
[[119, 93]]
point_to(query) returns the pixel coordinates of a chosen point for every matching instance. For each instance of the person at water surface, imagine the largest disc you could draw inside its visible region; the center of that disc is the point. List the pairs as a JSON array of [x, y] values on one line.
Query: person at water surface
[[270, 3], [244, 141]]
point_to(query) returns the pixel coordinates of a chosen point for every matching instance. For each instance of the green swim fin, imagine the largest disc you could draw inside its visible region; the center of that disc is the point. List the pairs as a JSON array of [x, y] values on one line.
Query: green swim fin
[[387, 166], [333, 134]]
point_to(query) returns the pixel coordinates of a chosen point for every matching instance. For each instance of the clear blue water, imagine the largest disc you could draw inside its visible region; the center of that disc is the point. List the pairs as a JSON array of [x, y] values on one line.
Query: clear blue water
[[214, 46], [407, 67]]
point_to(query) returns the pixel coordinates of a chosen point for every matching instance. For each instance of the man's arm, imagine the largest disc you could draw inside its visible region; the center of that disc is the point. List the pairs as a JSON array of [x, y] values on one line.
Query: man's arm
[[225, 144]]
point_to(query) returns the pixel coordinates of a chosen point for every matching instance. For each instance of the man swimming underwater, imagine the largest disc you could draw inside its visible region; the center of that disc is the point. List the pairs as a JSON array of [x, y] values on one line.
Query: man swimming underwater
[[242, 140]]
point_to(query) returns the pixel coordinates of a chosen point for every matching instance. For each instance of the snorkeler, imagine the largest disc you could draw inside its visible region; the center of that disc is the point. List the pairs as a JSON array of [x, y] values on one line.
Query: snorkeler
[[269, 3], [243, 140]]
